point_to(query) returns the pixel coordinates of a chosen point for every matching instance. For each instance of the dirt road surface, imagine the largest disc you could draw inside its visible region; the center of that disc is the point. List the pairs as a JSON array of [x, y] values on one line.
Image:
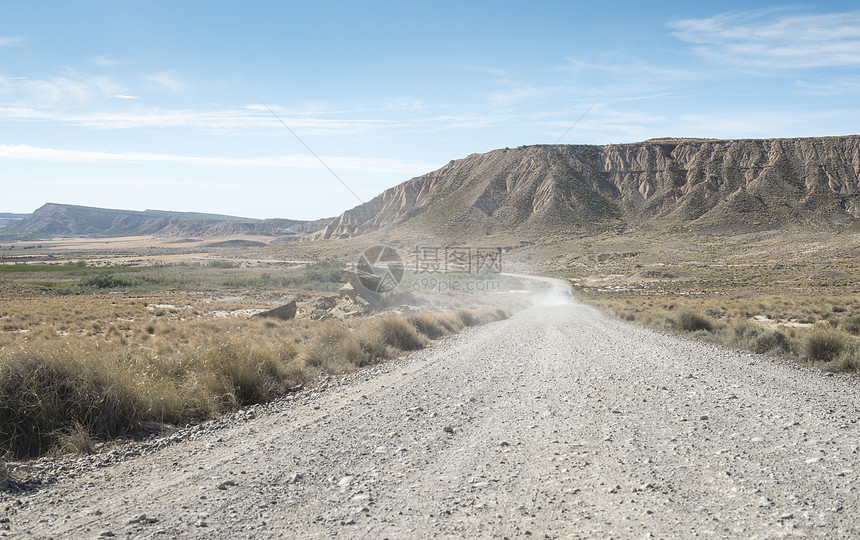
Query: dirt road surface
[[559, 423]]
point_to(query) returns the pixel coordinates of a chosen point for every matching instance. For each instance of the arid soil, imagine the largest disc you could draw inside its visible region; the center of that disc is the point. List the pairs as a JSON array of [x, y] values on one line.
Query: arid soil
[[559, 422]]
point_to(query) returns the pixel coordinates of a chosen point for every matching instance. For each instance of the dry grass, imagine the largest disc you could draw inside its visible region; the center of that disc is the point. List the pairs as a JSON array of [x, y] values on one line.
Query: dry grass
[[64, 395], [823, 345], [741, 307]]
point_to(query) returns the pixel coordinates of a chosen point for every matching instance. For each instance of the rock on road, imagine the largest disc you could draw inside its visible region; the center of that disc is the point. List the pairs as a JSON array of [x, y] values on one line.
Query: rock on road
[[559, 422]]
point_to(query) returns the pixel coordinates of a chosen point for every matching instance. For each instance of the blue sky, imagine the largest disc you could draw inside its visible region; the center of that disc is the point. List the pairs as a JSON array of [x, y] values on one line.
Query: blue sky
[[165, 104]]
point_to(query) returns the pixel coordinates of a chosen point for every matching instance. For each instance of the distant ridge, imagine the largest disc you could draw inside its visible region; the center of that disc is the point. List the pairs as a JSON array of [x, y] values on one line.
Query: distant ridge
[[54, 219], [536, 192], [7, 218]]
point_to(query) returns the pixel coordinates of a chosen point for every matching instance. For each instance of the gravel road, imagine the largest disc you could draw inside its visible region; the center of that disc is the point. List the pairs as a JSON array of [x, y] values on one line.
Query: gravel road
[[559, 422]]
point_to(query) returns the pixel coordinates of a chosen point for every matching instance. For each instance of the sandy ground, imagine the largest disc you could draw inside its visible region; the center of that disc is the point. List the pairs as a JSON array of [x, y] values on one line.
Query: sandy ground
[[559, 422]]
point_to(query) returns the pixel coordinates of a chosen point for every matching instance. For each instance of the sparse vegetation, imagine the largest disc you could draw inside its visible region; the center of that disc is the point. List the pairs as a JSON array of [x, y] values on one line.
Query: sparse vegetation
[[689, 321], [65, 395], [823, 345], [806, 311]]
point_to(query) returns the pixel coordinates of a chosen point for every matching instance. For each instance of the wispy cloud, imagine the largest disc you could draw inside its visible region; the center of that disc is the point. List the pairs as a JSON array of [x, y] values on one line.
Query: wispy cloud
[[12, 41], [165, 80], [834, 87], [247, 119], [774, 39], [69, 89], [293, 161], [104, 61]]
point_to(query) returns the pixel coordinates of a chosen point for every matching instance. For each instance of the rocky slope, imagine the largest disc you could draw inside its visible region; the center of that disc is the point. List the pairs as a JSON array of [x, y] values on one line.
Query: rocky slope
[[557, 188], [68, 220]]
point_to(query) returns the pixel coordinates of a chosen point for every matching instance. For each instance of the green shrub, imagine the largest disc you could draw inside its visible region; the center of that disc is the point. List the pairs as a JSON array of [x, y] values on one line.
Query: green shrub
[[823, 345]]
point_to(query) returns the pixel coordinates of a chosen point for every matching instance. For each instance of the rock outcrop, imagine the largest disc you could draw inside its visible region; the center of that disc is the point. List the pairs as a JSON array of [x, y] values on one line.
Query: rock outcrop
[[666, 182]]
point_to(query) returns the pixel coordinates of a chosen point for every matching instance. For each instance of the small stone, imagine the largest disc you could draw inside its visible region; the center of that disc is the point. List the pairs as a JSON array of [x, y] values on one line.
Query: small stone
[[448, 429], [296, 477], [615, 489], [345, 481], [703, 417], [786, 516], [105, 534]]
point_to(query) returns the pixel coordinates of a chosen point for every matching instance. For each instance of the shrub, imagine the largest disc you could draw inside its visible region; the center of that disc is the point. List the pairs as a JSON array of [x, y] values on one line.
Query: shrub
[[427, 324], [692, 322], [76, 440], [399, 334], [849, 360], [823, 345], [41, 395], [466, 317], [851, 325], [243, 375], [771, 340]]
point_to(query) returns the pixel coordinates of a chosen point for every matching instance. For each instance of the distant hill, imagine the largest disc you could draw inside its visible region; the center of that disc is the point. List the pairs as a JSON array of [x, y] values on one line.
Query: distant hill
[[7, 219], [53, 220], [534, 192]]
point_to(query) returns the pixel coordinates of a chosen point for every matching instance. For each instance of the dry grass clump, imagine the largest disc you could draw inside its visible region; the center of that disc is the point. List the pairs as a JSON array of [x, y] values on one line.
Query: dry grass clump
[[754, 337], [823, 345], [851, 325], [689, 321], [67, 398], [427, 324], [43, 395], [848, 360], [398, 333]]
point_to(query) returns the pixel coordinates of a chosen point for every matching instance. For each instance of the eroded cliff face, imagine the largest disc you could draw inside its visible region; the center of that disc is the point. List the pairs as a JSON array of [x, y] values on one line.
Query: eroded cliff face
[[767, 182]]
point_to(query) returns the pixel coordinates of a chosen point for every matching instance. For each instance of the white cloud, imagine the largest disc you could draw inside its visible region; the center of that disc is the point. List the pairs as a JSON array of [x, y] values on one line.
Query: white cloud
[[774, 39], [124, 96], [12, 41], [295, 161]]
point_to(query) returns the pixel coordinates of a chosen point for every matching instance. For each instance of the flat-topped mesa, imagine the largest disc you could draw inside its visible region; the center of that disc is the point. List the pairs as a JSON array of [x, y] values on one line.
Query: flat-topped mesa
[[660, 182], [69, 220]]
